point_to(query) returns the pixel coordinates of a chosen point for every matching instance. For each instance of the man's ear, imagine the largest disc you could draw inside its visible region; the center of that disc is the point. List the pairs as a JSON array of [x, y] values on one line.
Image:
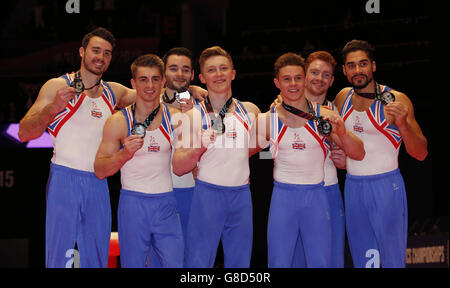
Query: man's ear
[[277, 83], [200, 76], [343, 70]]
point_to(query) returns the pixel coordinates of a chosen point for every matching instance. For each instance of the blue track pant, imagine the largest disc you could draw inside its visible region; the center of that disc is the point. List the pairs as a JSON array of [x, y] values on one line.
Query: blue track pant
[[78, 211], [299, 213], [145, 221], [337, 220], [220, 213], [376, 219], [184, 199]]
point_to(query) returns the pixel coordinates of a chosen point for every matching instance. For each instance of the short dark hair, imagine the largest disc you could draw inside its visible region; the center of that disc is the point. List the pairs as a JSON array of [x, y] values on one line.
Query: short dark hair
[[99, 32], [147, 60], [178, 51], [211, 52], [288, 59], [356, 45]]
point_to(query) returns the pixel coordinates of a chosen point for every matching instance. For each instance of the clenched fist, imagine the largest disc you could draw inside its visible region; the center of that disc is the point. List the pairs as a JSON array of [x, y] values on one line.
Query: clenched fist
[[63, 96], [131, 144]]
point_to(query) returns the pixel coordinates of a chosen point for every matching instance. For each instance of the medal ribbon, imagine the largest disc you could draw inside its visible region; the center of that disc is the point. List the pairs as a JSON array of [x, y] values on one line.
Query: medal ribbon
[[150, 117], [324, 126], [385, 98], [78, 76], [300, 113], [166, 98], [222, 112], [375, 95]]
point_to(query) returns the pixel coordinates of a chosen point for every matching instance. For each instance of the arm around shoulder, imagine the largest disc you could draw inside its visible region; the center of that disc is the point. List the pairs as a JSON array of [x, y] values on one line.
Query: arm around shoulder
[[124, 96], [261, 135], [257, 142]]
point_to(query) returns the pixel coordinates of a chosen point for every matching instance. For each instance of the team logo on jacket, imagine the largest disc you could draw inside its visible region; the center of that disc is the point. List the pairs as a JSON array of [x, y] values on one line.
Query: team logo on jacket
[[298, 144], [154, 146], [357, 127]]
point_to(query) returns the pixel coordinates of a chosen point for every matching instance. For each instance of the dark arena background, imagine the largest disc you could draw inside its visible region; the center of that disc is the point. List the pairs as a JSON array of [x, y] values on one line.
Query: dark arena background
[[40, 40]]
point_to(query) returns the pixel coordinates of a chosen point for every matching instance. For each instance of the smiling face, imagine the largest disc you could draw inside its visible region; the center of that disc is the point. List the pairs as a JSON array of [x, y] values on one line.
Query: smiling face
[[148, 82], [291, 82], [319, 77], [97, 55], [217, 74], [179, 73], [359, 69]]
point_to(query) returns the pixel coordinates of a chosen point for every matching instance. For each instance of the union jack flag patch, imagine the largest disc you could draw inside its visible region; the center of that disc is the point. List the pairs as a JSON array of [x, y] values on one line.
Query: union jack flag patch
[[298, 146], [358, 129], [96, 114], [231, 134], [153, 148]]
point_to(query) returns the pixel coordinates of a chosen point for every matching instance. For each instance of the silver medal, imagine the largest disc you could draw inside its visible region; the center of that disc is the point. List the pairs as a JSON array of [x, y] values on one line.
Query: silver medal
[[77, 83], [387, 97], [324, 127], [138, 129], [218, 125]]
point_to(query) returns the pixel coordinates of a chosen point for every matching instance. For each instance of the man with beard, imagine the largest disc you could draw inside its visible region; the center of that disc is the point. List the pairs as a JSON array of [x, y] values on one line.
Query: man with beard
[[78, 206], [179, 73], [375, 197]]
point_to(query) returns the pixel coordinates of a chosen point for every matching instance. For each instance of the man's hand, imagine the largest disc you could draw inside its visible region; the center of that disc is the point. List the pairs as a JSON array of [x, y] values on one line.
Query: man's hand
[[195, 172], [336, 121], [399, 112], [131, 144], [338, 157], [277, 101], [198, 92], [208, 137], [63, 96], [186, 104]]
